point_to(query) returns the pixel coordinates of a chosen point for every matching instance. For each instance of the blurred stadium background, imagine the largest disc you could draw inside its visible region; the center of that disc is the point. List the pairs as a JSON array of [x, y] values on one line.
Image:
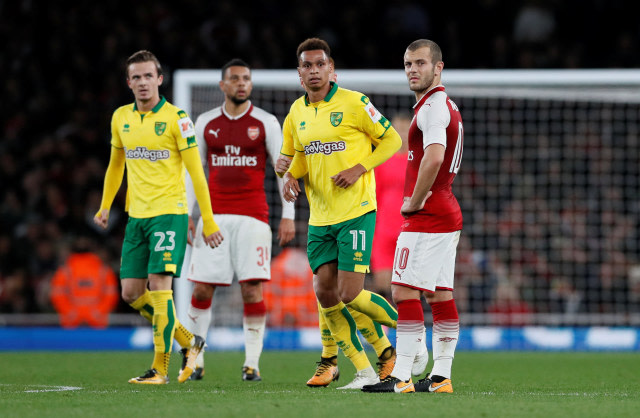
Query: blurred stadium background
[[549, 257]]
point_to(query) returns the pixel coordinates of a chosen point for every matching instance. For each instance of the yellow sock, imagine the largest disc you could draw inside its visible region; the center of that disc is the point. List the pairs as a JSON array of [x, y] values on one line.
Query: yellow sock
[[371, 331], [344, 331], [144, 306], [329, 346], [161, 363], [164, 320], [375, 307], [183, 336]]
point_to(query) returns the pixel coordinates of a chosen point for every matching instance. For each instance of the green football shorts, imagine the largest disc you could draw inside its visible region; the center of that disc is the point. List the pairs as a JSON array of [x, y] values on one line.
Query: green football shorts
[[154, 246], [348, 243]]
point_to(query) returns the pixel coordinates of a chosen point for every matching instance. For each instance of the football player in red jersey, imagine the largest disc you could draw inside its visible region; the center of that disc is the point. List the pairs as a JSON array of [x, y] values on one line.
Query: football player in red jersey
[[426, 249], [235, 140]]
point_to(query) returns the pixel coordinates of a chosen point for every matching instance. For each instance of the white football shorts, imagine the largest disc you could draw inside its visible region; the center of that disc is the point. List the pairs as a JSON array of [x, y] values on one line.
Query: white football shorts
[[245, 252], [425, 261]]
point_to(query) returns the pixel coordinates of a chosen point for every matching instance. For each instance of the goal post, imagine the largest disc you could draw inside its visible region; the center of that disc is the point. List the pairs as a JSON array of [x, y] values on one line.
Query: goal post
[[619, 85], [549, 187]]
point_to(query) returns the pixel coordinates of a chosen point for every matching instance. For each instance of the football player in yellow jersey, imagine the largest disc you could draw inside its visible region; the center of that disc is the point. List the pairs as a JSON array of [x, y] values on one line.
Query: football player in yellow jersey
[[155, 141], [327, 368], [333, 130]]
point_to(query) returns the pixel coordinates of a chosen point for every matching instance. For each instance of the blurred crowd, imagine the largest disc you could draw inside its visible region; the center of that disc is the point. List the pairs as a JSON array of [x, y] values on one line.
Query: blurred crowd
[[62, 75], [551, 207]]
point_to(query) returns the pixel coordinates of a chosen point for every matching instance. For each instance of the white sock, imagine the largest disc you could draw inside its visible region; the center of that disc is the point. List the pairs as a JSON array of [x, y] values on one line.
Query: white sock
[[253, 327], [409, 338], [198, 323], [422, 348], [445, 339]]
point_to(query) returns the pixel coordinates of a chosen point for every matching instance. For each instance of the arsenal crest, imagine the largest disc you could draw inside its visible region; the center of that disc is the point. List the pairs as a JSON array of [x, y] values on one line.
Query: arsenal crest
[[253, 132]]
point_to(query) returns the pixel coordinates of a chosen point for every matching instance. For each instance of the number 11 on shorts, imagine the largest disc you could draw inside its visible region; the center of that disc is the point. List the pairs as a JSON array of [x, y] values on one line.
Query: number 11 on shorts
[[363, 236]]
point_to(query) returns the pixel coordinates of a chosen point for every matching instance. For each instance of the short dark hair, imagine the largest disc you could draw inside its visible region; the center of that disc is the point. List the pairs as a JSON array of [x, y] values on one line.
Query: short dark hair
[[236, 62], [436, 52], [312, 44], [144, 56]]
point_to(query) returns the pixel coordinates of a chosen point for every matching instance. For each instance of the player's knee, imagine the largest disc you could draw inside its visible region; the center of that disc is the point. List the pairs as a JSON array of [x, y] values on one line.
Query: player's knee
[[203, 291], [251, 291], [327, 297], [438, 296], [348, 295], [130, 295], [402, 293]]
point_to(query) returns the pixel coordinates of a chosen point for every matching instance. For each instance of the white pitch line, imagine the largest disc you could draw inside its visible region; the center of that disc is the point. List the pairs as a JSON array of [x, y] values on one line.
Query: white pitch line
[[52, 389], [566, 394]]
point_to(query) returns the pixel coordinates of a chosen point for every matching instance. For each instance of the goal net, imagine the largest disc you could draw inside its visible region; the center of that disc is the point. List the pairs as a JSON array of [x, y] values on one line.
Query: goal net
[[549, 188]]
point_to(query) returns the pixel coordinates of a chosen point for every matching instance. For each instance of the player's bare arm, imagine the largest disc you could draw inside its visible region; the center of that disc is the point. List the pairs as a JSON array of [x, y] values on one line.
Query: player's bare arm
[[191, 231], [282, 164], [429, 167], [286, 231], [347, 177], [291, 187]]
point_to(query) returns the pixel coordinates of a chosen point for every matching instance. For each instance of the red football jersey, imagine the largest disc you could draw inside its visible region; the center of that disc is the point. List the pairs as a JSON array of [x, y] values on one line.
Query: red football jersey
[[436, 120], [234, 153]]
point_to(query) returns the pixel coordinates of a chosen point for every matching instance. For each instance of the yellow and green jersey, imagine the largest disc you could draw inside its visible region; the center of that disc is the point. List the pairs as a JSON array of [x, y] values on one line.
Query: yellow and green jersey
[[287, 140], [333, 135], [152, 142]]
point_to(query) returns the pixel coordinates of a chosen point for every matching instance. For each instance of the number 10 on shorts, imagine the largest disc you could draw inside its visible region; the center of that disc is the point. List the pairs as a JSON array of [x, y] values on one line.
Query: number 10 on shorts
[[401, 257]]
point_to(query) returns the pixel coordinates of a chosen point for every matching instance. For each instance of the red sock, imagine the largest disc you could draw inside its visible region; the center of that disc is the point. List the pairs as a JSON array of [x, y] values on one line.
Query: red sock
[[445, 317], [255, 309], [444, 312], [410, 310], [201, 304]]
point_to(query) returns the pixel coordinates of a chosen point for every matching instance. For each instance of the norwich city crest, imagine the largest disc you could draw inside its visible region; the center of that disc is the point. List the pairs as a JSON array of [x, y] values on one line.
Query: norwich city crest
[[336, 118], [160, 128]]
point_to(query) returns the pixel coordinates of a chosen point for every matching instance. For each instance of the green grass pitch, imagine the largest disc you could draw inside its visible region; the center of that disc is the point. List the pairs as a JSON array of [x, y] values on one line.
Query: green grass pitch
[[503, 384]]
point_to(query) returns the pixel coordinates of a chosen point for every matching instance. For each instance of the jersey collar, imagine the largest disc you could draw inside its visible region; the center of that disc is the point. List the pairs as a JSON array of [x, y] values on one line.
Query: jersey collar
[[240, 115], [155, 108], [332, 91], [428, 94]]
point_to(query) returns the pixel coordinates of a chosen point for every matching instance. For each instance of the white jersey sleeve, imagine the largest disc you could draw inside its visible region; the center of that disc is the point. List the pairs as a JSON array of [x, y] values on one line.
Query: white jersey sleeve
[[433, 119], [202, 149], [273, 140]]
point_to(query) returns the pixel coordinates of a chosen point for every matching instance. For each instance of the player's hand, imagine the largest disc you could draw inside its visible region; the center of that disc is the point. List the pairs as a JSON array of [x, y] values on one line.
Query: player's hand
[[214, 239], [286, 231], [191, 231], [408, 209], [102, 218], [291, 188], [347, 177], [282, 164]]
